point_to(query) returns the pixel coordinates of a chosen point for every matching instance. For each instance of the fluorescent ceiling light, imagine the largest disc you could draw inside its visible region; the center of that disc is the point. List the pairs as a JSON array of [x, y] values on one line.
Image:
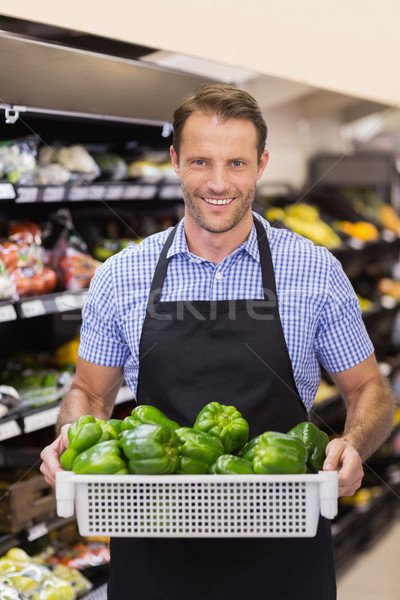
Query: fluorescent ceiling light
[[198, 66]]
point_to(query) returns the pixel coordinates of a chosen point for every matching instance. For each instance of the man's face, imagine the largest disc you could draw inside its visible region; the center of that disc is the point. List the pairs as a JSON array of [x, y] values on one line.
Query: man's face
[[218, 167]]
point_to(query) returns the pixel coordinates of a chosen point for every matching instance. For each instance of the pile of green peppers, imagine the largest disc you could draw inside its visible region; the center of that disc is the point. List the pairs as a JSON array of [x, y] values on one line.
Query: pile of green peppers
[[148, 442]]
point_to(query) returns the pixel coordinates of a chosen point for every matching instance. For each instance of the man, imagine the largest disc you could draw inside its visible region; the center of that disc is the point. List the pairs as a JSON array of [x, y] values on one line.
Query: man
[[224, 307]]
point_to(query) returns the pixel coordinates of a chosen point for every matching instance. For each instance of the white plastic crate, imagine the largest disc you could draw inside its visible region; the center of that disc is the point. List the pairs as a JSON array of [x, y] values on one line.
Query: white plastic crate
[[197, 505]]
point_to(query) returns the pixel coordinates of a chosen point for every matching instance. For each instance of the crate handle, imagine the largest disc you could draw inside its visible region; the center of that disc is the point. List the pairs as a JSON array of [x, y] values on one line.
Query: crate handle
[[328, 493], [65, 493]]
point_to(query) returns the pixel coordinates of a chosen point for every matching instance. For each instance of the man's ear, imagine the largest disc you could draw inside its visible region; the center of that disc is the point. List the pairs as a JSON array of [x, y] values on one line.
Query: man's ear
[[174, 160], [263, 163]]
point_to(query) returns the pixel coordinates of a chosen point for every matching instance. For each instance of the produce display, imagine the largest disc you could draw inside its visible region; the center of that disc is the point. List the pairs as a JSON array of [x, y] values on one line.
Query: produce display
[[22, 578], [25, 260], [148, 442], [305, 220]]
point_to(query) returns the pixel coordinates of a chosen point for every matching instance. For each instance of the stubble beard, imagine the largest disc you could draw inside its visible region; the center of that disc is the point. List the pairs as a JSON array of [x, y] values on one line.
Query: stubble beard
[[242, 204]]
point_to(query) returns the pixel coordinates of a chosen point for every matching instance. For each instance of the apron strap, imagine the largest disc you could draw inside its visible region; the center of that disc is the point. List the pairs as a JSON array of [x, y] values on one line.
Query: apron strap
[[267, 268]]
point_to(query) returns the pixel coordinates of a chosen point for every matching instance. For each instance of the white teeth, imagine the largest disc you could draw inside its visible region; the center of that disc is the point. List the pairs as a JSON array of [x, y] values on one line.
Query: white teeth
[[215, 201]]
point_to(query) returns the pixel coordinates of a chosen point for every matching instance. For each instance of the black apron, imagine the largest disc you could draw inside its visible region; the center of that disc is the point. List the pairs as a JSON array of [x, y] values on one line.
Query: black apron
[[232, 352]]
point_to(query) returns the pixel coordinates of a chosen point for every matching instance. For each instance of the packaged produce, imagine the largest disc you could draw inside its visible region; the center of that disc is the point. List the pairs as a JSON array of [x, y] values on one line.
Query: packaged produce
[[70, 257], [7, 285], [197, 450], [228, 464], [75, 159], [112, 166], [315, 442], [18, 159], [151, 449], [26, 261], [83, 555], [33, 580], [226, 423]]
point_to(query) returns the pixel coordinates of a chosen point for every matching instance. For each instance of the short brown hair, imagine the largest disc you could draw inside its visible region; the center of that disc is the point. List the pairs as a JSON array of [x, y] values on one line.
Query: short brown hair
[[225, 101]]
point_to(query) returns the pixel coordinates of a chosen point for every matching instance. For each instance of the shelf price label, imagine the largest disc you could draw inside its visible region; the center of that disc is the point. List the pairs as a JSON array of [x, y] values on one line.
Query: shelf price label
[[170, 192], [132, 192], [9, 429], [54, 194], [37, 531], [41, 419], [7, 313], [33, 308], [78, 192], [7, 191], [27, 194], [147, 192], [114, 192], [70, 301]]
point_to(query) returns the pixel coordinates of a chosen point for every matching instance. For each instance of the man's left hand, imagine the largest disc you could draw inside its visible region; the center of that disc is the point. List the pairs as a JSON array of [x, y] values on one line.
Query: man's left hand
[[344, 458]]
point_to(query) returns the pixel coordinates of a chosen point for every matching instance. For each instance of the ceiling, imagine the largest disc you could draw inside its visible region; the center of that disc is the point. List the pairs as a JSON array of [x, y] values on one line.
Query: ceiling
[[77, 64]]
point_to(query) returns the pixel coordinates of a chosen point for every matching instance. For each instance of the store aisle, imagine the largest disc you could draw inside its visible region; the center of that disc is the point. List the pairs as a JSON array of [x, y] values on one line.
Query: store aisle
[[375, 574]]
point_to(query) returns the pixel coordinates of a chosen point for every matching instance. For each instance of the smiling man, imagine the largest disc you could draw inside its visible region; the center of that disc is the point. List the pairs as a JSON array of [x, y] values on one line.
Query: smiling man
[[263, 360]]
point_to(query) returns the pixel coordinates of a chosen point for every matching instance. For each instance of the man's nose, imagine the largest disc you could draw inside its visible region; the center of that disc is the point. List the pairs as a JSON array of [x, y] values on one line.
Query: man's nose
[[218, 181]]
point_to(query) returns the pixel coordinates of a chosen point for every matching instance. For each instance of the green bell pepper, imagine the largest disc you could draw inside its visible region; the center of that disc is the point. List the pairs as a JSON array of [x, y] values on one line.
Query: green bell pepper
[[315, 441], [279, 453], [151, 449], [228, 464], [147, 415], [224, 422], [107, 431], [81, 435], [197, 450], [115, 424], [104, 458]]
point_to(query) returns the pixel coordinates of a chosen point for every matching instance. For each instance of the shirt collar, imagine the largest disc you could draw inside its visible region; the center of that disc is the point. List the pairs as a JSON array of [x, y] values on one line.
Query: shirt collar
[[179, 244]]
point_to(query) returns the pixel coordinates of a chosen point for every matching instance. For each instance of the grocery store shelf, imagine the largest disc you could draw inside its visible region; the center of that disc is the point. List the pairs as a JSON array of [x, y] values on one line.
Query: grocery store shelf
[[45, 416], [97, 191], [36, 306]]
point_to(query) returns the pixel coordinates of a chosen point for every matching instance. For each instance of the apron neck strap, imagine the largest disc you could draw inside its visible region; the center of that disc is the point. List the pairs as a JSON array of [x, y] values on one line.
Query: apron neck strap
[[267, 268]]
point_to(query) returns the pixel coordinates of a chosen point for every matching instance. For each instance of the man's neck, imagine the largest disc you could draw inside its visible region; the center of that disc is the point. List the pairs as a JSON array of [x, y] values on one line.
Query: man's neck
[[216, 246]]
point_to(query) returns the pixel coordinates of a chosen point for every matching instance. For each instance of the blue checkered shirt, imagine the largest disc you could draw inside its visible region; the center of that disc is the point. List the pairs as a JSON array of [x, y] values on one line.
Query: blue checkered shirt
[[320, 312]]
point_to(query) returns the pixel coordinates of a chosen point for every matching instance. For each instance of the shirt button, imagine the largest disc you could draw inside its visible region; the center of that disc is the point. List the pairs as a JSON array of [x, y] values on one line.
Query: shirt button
[[218, 275]]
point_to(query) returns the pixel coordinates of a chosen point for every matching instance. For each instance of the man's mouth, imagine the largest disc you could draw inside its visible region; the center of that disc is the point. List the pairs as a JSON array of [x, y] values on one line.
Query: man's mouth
[[217, 201]]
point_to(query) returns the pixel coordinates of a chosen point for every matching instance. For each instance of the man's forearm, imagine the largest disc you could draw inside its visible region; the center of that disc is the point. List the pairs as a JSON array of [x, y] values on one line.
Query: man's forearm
[[369, 418], [77, 403]]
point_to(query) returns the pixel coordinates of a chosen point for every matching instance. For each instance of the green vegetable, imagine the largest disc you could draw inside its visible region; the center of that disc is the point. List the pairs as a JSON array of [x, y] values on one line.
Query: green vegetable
[[107, 431], [81, 435], [147, 415], [115, 424], [279, 453], [151, 449], [315, 441], [224, 422], [104, 458], [228, 464], [197, 450]]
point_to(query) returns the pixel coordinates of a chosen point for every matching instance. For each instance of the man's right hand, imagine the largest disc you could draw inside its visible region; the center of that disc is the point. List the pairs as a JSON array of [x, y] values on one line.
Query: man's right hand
[[50, 456]]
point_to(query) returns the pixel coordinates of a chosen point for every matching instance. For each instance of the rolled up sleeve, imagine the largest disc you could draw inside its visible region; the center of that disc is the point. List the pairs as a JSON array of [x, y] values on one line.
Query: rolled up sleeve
[[342, 340], [101, 340]]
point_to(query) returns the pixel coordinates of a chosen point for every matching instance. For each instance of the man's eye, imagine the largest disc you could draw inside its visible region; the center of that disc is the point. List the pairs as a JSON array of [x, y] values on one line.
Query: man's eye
[[199, 162], [237, 163]]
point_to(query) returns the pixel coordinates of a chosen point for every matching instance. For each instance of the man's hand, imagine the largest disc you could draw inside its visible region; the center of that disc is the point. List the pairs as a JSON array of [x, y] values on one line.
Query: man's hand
[[51, 456], [341, 456]]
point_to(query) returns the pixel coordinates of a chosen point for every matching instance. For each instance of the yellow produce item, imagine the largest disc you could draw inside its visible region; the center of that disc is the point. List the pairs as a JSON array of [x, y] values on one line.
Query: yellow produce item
[[67, 354], [361, 230], [364, 303], [389, 218], [305, 220], [389, 287]]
